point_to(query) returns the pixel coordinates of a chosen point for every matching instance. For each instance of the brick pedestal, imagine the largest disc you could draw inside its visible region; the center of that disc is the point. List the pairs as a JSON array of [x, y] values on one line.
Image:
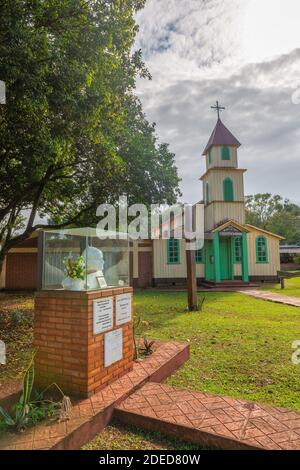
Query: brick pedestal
[[68, 352]]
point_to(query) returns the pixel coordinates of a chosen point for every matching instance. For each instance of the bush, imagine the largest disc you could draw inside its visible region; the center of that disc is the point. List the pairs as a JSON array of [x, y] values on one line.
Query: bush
[[296, 259]]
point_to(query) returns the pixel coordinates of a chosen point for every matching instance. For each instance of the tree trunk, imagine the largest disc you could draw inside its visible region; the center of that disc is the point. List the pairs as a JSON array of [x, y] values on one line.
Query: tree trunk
[[3, 253]]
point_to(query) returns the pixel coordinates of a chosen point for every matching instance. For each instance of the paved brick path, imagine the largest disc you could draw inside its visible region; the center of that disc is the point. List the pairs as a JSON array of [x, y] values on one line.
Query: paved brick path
[[213, 421], [273, 297], [91, 415]]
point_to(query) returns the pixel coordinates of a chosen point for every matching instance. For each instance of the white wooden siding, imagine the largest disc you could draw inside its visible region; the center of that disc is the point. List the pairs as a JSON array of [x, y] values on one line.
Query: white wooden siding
[[216, 154], [216, 177], [163, 270], [218, 212], [262, 269]]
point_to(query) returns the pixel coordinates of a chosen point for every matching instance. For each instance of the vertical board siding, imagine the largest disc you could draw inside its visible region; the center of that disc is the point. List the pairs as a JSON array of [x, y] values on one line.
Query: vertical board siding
[[216, 178], [263, 269], [163, 270], [219, 212], [21, 271], [216, 157]]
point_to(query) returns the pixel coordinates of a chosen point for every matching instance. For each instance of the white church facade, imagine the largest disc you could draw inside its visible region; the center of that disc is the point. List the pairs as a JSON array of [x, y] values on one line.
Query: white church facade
[[234, 252]]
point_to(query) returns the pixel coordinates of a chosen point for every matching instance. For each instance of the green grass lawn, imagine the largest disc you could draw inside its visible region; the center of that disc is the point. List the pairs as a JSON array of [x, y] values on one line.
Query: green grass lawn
[[16, 321], [240, 346], [292, 287], [116, 436]]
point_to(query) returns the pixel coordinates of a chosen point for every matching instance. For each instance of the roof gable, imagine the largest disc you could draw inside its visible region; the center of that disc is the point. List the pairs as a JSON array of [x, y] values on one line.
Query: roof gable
[[231, 224], [221, 136], [258, 229]]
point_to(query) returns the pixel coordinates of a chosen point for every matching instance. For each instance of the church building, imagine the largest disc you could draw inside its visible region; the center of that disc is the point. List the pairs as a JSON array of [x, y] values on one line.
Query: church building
[[234, 252]]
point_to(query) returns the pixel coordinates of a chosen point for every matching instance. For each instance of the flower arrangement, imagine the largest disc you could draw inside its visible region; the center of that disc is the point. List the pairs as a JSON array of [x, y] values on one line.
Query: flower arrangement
[[75, 267]]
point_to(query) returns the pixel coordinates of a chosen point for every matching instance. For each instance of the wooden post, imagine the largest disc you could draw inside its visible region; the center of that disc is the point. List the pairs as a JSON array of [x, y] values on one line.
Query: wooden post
[[245, 266], [191, 278], [282, 282]]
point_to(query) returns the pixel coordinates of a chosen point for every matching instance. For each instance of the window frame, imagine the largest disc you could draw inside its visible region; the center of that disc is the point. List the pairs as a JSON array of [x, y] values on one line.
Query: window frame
[[226, 153], [201, 259], [209, 157], [171, 257], [226, 189], [258, 249], [237, 259], [207, 192]]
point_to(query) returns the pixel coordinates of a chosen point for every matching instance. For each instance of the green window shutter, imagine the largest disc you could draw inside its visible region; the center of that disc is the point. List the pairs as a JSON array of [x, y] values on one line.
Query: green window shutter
[[262, 251], [225, 153], [173, 251], [238, 250], [207, 193], [199, 256], [209, 157], [228, 190]]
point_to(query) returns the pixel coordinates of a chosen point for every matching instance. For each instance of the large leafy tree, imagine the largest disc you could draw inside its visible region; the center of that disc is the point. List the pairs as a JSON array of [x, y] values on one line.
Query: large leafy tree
[[273, 213], [72, 133]]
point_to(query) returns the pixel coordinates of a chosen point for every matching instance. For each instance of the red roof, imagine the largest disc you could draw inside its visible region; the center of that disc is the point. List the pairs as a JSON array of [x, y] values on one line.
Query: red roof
[[221, 136]]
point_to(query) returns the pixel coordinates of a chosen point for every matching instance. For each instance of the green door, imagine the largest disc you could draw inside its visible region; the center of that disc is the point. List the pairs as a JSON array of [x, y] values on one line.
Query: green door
[[209, 262], [225, 258]]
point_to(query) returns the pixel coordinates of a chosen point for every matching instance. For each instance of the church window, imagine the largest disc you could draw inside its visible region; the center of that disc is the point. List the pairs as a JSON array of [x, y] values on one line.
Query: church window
[[209, 157], [173, 250], [262, 255], [228, 190], [238, 250], [225, 153], [199, 256], [207, 193]]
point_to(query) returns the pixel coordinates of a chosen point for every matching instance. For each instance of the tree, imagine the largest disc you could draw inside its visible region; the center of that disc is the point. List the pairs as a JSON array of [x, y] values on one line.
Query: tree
[[275, 214], [72, 134]]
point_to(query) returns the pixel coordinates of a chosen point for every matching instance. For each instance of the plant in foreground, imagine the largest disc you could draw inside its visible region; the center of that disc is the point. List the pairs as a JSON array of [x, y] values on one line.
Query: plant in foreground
[[29, 412], [137, 324], [148, 347]]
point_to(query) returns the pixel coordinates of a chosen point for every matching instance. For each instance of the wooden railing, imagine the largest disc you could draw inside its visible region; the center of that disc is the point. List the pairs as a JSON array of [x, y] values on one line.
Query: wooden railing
[[282, 275]]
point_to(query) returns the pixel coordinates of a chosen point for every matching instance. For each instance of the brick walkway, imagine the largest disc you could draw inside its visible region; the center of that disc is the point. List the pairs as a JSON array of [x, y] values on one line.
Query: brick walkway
[[273, 297], [91, 415], [212, 421]]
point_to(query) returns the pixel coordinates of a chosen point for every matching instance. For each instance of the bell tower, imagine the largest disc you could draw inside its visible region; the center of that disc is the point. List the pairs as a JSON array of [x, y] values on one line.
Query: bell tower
[[223, 181]]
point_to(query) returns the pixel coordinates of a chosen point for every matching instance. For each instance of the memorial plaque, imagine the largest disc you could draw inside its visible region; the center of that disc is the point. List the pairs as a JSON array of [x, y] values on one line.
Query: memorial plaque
[[113, 347], [102, 315], [123, 308]]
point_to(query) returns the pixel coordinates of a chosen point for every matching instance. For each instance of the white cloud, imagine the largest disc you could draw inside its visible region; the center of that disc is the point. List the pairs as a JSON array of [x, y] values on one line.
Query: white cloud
[[247, 55]]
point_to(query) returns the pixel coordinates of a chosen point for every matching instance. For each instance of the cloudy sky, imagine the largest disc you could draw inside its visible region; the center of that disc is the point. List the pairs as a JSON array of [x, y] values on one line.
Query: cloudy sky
[[244, 53]]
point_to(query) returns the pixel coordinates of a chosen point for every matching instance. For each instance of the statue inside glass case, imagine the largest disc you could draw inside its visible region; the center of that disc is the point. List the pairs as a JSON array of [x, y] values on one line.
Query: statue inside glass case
[[76, 259], [95, 264], [89, 266]]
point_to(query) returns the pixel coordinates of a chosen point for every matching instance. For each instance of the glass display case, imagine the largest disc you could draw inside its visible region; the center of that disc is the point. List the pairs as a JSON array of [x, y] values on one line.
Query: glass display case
[[79, 259]]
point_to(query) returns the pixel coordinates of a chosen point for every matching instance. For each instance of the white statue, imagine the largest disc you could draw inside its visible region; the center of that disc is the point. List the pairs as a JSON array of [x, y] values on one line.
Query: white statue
[[94, 265]]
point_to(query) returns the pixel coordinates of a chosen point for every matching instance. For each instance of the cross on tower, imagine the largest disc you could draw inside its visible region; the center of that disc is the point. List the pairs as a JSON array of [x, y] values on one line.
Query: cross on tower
[[218, 108]]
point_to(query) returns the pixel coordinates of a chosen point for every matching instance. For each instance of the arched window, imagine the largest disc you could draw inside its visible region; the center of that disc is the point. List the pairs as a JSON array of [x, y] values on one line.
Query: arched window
[[228, 190], [207, 193], [262, 255], [225, 153]]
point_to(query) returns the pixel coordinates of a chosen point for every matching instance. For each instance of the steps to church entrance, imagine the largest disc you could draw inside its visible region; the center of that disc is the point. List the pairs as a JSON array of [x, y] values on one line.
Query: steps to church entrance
[[209, 420]]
